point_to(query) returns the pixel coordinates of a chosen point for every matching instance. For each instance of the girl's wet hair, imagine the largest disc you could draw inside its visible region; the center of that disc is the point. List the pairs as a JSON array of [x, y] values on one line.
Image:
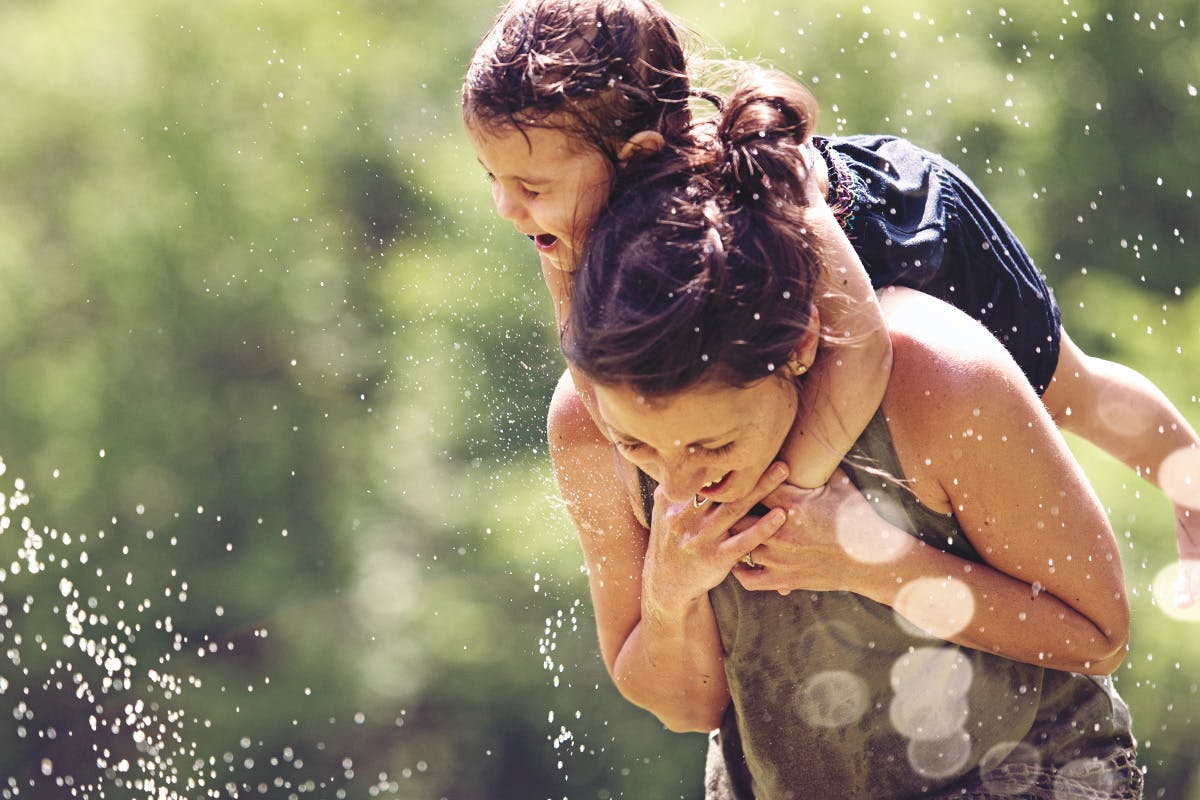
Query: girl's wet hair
[[702, 267], [601, 70]]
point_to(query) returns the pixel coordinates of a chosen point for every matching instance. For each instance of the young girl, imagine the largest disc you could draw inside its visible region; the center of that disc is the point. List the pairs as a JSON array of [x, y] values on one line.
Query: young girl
[[961, 587]]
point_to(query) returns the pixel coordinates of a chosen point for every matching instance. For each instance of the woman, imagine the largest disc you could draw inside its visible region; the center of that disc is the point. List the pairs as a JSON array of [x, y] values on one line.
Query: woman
[[948, 606]]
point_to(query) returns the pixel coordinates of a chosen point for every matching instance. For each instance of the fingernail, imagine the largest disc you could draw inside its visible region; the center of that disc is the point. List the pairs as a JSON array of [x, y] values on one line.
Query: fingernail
[[777, 516], [779, 470]]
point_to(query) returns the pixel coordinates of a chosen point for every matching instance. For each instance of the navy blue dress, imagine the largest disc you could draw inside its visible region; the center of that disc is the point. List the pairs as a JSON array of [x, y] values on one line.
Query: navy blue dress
[[916, 220]]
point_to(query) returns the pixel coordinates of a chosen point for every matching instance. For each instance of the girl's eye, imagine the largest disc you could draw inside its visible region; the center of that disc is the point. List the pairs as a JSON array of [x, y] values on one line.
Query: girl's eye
[[629, 447], [531, 194], [719, 451]]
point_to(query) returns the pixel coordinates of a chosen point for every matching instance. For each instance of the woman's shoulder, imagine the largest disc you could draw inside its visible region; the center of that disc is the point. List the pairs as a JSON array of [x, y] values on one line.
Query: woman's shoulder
[[584, 460], [939, 341], [572, 413]]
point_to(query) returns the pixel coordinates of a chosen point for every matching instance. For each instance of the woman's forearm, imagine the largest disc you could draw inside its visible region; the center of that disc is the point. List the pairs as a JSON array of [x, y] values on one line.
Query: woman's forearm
[[663, 655], [671, 665], [977, 606]]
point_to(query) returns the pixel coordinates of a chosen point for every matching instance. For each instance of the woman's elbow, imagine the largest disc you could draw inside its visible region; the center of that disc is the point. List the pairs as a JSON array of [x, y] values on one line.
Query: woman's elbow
[[1112, 645], [1107, 660], [679, 714], [691, 722]]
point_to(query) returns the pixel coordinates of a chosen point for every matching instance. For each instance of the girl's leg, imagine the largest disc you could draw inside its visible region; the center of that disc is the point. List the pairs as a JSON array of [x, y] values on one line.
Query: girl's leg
[[1119, 410]]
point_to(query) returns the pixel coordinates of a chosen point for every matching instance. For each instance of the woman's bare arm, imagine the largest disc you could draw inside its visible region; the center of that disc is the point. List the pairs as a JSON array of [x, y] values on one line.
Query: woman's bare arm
[[669, 663], [975, 441], [965, 417]]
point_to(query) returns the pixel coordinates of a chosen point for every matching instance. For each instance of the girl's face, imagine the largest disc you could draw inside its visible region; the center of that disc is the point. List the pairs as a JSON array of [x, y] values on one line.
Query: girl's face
[[549, 185], [713, 440]]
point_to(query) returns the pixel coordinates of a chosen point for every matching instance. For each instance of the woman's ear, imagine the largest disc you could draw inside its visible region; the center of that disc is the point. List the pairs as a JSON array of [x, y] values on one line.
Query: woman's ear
[[642, 143], [805, 351]]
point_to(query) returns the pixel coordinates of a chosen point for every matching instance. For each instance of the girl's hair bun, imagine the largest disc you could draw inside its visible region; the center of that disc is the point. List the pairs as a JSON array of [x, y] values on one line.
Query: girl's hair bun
[[762, 130]]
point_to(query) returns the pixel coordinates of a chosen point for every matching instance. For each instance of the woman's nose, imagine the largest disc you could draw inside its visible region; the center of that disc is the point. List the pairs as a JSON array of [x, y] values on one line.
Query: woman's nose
[[680, 482]]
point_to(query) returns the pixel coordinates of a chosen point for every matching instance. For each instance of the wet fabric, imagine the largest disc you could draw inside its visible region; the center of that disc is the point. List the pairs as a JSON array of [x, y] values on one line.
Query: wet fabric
[[916, 220], [835, 696]]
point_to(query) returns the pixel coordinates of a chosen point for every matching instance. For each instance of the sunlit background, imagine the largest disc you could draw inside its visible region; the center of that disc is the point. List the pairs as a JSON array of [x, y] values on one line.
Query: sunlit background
[[278, 519]]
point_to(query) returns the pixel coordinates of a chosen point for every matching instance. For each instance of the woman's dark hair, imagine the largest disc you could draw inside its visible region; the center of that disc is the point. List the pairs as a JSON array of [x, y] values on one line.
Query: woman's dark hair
[[601, 70], [702, 266]]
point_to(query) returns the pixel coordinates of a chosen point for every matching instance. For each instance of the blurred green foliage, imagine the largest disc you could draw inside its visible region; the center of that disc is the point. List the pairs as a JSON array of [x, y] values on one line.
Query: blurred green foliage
[[273, 378]]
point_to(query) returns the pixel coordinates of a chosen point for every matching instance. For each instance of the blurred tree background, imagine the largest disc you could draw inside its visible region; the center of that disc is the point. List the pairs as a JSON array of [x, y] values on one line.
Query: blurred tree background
[[278, 519]]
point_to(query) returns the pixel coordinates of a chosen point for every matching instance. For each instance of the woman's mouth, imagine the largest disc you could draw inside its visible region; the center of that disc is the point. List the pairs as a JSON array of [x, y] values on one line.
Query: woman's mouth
[[711, 488]]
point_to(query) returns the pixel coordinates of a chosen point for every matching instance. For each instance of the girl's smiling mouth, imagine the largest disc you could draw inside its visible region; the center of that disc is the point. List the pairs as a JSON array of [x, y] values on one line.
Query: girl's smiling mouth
[[545, 241]]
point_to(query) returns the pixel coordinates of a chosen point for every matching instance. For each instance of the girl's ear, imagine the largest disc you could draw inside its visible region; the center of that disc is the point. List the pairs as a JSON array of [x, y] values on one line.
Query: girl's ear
[[642, 143]]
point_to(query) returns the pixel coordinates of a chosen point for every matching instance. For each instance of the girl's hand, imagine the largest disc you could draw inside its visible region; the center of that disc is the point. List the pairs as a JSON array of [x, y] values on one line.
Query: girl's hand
[[692, 549], [832, 535]]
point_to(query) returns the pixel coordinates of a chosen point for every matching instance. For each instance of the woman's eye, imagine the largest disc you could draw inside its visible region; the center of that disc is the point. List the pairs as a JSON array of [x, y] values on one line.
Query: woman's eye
[[629, 447], [530, 193], [719, 451]]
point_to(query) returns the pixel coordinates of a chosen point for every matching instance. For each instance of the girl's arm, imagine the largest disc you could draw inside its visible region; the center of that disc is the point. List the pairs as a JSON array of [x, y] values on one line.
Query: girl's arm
[[975, 441], [658, 634], [1119, 410], [846, 385]]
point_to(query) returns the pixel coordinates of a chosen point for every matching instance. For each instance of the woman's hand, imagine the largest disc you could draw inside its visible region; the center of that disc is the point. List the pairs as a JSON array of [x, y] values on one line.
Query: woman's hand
[[692, 549], [832, 534]]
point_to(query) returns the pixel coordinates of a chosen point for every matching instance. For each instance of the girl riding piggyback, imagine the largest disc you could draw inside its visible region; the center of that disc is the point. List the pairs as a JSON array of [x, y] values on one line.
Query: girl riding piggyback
[[562, 96]]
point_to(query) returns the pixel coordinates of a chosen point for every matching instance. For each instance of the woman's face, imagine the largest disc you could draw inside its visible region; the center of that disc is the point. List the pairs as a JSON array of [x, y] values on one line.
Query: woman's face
[[713, 440], [548, 184]]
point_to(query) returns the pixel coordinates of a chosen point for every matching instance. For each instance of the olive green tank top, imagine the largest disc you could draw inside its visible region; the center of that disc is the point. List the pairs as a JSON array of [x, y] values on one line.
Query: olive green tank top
[[836, 696]]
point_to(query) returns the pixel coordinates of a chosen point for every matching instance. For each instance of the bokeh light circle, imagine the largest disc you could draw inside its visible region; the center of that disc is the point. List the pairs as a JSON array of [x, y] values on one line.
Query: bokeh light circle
[[833, 699], [1166, 590], [865, 535], [1179, 476], [941, 758], [940, 607]]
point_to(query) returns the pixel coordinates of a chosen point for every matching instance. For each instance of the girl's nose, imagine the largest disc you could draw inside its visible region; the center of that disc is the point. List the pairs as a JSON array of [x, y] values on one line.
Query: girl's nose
[[508, 206]]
